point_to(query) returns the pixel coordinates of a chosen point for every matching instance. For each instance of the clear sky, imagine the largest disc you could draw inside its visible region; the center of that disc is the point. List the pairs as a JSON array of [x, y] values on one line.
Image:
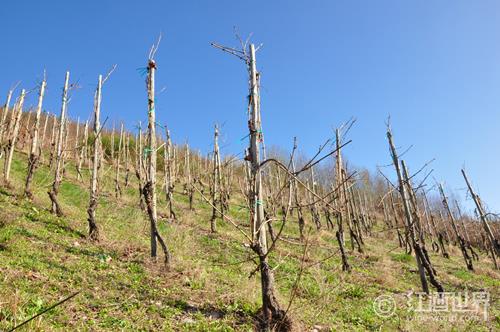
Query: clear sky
[[434, 66]]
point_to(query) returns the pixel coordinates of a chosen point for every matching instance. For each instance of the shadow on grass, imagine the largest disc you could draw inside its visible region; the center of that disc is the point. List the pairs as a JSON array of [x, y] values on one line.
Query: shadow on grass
[[214, 313], [98, 253], [3, 190], [62, 228]]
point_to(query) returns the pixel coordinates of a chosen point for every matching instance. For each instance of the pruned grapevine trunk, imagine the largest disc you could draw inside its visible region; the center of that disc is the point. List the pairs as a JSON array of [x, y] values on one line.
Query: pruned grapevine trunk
[[96, 164], [12, 135], [59, 155], [149, 189], [35, 151]]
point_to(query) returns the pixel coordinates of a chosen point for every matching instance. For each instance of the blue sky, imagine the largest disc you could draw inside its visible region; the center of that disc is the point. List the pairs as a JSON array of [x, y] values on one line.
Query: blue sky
[[434, 66]]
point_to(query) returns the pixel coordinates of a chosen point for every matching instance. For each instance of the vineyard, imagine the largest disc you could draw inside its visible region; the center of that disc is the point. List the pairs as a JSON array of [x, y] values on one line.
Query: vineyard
[[107, 225]]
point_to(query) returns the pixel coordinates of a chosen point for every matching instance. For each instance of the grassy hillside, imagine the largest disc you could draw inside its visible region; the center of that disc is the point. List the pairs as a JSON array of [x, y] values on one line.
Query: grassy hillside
[[210, 286]]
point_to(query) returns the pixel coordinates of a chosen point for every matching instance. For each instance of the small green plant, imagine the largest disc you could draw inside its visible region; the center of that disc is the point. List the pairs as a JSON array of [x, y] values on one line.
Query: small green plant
[[402, 257], [462, 274], [353, 292]]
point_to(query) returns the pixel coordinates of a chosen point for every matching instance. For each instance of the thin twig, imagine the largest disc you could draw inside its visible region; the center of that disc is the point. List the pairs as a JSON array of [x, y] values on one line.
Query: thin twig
[[44, 311]]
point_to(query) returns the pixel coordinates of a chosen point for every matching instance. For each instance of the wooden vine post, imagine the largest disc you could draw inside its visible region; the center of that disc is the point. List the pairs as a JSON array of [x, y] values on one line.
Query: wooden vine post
[[439, 235], [3, 120], [169, 180], [77, 136], [96, 163], [82, 152], [59, 155], [298, 203], [97, 158], [274, 317], [342, 214], [428, 221], [466, 232], [494, 245], [258, 227], [313, 206], [189, 181], [149, 190], [139, 172], [217, 196], [118, 190], [65, 149], [52, 142], [44, 132], [13, 133], [35, 149], [76, 149], [12, 120], [25, 131], [127, 160], [423, 263], [272, 312], [459, 238], [354, 229], [112, 146]]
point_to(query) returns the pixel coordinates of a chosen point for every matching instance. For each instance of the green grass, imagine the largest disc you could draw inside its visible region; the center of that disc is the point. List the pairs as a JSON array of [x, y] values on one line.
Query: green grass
[[211, 285], [402, 257]]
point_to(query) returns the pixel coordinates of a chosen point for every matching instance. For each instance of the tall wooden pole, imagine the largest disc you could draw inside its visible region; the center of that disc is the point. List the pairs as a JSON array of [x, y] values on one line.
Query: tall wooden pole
[[169, 181], [420, 256], [494, 245], [35, 151], [127, 159], [56, 208], [259, 229], [410, 223], [77, 143], [11, 123], [44, 132], [96, 163], [140, 165], [112, 147], [52, 142], [12, 135], [314, 209], [149, 190], [216, 189], [26, 130], [151, 156], [118, 190], [298, 203], [460, 239], [82, 150], [342, 204], [3, 121], [462, 222], [273, 316], [272, 312]]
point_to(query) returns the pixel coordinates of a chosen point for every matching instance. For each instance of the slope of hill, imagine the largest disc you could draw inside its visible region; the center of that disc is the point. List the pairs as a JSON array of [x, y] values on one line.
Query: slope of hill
[[212, 284]]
